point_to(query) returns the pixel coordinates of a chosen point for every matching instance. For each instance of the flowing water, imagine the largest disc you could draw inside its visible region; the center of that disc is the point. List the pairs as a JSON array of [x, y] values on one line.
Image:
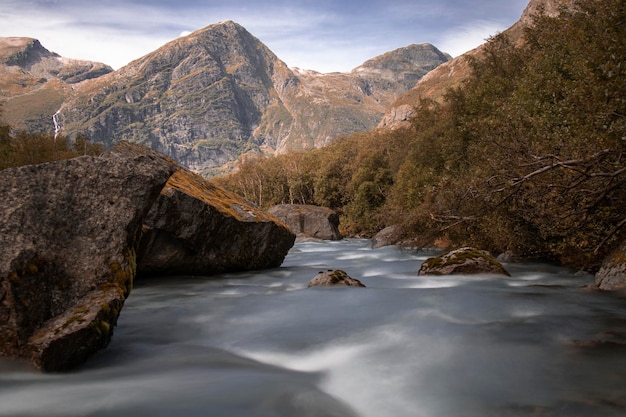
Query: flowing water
[[262, 344]]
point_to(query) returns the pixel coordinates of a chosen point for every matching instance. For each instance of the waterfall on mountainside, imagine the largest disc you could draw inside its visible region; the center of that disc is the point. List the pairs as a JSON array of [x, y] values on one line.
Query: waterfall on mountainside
[[55, 121]]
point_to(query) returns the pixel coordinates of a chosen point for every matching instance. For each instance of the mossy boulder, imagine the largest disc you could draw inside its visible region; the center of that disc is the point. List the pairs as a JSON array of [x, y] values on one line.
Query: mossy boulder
[[334, 278], [69, 231], [612, 274], [198, 228], [308, 221], [463, 261]]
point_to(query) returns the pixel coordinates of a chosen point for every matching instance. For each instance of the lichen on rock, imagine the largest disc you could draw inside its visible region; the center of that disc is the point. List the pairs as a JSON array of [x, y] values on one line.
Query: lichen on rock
[[68, 234], [462, 261], [334, 278], [198, 228]]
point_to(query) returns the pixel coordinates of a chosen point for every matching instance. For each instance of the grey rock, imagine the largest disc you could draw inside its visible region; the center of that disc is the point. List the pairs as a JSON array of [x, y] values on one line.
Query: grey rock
[[334, 278], [308, 221], [69, 231], [612, 274], [508, 257], [198, 228], [462, 261], [390, 235], [206, 98]]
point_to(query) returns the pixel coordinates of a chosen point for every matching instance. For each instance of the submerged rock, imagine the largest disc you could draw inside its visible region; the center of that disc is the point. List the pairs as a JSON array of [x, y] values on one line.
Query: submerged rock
[[334, 278], [462, 261], [308, 221], [612, 273], [198, 228], [69, 231]]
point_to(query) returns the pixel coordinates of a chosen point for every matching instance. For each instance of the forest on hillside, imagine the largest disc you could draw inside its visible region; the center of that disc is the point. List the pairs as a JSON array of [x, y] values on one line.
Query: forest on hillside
[[526, 156], [21, 147]]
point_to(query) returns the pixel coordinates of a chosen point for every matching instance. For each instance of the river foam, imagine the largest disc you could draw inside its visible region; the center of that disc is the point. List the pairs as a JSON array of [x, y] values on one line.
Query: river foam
[[259, 344]]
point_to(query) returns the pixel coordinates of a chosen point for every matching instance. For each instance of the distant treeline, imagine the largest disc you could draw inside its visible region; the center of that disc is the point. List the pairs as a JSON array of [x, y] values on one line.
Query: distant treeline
[[19, 148], [527, 155]]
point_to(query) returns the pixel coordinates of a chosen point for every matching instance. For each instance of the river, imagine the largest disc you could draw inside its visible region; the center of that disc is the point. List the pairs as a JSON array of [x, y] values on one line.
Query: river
[[262, 344]]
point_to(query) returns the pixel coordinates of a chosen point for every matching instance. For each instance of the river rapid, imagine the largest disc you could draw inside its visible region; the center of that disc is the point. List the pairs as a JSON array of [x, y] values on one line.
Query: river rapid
[[262, 344]]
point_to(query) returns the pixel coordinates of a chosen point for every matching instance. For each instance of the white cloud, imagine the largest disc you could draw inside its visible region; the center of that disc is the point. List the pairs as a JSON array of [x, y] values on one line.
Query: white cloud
[[324, 36], [468, 37]]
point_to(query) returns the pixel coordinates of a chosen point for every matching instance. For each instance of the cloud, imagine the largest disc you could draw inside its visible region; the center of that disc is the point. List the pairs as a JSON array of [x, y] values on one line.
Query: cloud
[[467, 37], [323, 35]]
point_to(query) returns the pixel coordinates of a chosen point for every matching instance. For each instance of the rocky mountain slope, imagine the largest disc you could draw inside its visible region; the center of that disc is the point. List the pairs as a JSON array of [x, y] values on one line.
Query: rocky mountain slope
[[34, 82], [209, 97], [453, 72]]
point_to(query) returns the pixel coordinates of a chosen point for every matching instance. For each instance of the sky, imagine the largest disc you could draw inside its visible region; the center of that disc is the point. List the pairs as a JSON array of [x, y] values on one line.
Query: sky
[[320, 35]]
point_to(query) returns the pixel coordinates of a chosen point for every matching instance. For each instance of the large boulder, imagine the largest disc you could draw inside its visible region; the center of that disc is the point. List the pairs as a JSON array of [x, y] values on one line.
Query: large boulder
[[612, 274], [463, 261], [69, 231], [390, 235], [198, 228], [308, 221], [334, 278]]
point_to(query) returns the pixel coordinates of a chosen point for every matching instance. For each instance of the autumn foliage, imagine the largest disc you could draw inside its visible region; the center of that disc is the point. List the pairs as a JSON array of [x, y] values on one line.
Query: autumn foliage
[[528, 155], [27, 148]]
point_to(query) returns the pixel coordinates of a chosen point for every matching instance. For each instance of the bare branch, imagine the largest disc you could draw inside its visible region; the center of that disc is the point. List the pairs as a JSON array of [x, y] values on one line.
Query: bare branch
[[607, 237]]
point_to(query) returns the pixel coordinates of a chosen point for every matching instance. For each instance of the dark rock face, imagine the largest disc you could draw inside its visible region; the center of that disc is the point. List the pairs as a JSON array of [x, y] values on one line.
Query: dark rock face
[[198, 228], [68, 236], [612, 273], [206, 98], [334, 278], [308, 221], [462, 261]]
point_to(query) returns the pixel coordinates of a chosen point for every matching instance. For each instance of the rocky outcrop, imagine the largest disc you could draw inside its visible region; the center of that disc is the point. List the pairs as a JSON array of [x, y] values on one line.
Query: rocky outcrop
[[31, 57], [206, 98], [34, 81], [612, 273], [334, 278], [463, 261], [308, 221], [69, 231], [198, 228]]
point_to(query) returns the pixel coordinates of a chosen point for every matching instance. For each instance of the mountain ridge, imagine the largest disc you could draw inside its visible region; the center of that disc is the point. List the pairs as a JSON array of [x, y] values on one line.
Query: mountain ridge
[[452, 73], [34, 81], [209, 97]]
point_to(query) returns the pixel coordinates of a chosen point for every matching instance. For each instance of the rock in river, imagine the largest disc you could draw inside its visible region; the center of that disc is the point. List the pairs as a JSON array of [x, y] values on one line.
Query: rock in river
[[198, 228], [68, 234], [309, 221], [73, 232], [462, 261], [334, 278], [612, 273]]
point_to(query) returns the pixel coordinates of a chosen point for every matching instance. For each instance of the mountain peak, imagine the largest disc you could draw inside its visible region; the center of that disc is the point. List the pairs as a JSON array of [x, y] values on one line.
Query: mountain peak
[[423, 55], [207, 97], [403, 66], [22, 51], [225, 26]]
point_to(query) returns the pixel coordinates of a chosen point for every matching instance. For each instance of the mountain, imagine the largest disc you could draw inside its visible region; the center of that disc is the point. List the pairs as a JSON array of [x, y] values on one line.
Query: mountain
[[206, 98], [34, 82], [452, 73]]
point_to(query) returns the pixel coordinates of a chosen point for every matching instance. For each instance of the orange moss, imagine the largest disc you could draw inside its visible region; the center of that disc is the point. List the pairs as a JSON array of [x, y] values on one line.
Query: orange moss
[[224, 201]]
